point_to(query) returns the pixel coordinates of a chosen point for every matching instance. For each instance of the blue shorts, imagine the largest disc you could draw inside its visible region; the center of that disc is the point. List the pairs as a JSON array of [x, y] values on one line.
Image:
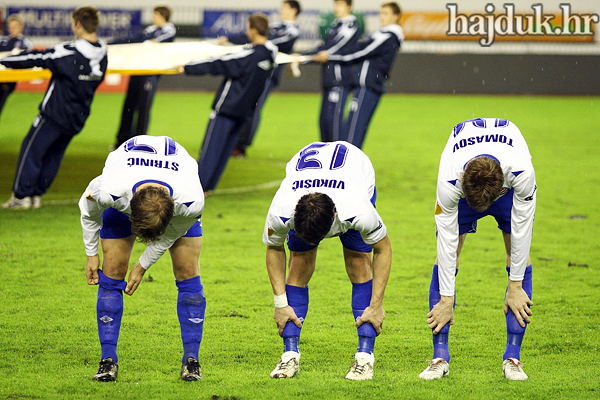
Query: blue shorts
[[116, 225], [351, 239], [500, 209]]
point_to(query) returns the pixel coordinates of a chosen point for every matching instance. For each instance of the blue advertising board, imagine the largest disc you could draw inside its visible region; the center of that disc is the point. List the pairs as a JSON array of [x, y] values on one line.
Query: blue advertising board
[[49, 21]]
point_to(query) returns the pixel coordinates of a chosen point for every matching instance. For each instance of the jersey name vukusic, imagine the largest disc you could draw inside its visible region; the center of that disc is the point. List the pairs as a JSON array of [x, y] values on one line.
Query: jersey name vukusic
[[140, 160], [499, 139], [341, 171]]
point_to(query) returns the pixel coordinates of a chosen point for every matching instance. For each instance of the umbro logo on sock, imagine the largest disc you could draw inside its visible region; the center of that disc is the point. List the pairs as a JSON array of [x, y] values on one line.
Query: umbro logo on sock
[[196, 320], [106, 319]]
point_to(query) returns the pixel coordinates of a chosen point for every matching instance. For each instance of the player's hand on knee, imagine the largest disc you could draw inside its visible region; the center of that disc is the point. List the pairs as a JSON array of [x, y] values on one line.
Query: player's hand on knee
[[374, 316], [135, 278], [519, 302], [283, 315], [91, 269], [441, 314]]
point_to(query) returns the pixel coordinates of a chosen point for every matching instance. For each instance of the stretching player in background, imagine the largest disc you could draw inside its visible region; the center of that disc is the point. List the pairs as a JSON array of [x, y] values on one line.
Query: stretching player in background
[[148, 189], [337, 79], [77, 69], [485, 169], [247, 74], [14, 42], [283, 35], [135, 117], [329, 190], [375, 54]]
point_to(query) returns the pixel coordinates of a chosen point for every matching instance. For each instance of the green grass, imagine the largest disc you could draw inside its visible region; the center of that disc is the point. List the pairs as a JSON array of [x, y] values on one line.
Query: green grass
[[48, 340]]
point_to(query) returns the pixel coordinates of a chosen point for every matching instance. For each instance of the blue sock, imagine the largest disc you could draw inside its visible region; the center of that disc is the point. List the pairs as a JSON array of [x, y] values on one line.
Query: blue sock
[[297, 299], [361, 298], [191, 305], [515, 332], [440, 341], [109, 311]]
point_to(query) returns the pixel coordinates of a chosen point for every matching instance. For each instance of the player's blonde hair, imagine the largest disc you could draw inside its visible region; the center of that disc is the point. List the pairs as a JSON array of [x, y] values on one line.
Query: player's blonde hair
[[482, 182], [151, 211]]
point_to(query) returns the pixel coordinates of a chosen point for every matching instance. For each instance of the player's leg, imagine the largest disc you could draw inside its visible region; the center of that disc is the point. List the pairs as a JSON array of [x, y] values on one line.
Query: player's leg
[[248, 132], [362, 108], [301, 268], [51, 161], [40, 137], [130, 107], [511, 367], [329, 102], [214, 148], [145, 104], [337, 119], [191, 303], [6, 88], [117, 245]]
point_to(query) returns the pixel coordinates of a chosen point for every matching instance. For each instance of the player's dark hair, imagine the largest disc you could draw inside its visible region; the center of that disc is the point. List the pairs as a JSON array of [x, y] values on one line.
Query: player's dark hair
[[349, 2], [164, 11], [394, 7], [151, 211], [313, 217], [88, 17], [260, 22], [295, 5], [482, 182]]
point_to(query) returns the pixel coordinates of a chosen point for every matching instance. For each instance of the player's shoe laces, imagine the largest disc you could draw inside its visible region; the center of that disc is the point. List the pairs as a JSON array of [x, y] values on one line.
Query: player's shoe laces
[[36, 201], [107, 371], [362, 367], [511, 370], [438, 368], [190, 371], [288, 365], [18, 204]]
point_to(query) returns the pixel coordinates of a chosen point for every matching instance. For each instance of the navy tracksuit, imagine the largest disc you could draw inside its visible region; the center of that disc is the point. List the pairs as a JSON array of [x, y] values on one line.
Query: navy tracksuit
[[135, 117], [246, 73], [337, 78], [8, 43], [77, 69], [374, 56], [283, 35]]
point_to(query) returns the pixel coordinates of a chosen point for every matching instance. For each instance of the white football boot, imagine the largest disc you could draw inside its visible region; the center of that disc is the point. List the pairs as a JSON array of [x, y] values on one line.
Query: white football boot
[[362, 367], [438, 368], [18, 204], [36, 201], [288, 365], [511, 370]]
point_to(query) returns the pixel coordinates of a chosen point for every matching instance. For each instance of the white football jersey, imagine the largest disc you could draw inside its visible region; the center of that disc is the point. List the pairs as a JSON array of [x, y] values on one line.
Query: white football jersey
[[141, 160], [341, 171], [502, 140]]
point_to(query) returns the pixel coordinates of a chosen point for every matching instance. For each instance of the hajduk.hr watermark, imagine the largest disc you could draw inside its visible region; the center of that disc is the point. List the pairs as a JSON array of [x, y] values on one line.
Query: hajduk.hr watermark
[[510, 23]]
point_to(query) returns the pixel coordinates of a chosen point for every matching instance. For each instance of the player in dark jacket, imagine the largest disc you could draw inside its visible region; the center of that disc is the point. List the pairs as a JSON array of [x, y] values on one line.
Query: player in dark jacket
[[337, 78], [375, 56], [14, 42], [140, 92], [283, 35], [77, 69], [246, 73]]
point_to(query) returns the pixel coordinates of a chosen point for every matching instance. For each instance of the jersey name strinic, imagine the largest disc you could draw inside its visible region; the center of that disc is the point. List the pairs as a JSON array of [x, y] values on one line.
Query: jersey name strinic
[[143, 159], [339, 170]]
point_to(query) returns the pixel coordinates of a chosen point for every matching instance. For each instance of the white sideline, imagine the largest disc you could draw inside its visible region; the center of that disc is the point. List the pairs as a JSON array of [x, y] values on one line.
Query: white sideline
[[243, 189]]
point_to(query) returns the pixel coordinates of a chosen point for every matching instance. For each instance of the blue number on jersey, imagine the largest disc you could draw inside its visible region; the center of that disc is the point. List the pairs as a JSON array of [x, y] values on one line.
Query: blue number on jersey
[[501, 123], [307, 161], [133, 145]]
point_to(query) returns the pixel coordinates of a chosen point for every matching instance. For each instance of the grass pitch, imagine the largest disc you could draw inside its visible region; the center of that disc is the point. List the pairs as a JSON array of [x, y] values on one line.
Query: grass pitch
[[48, 339]]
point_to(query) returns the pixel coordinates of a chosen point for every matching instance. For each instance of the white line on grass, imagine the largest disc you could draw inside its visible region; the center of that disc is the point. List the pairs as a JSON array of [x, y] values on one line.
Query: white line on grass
[[243, 189]]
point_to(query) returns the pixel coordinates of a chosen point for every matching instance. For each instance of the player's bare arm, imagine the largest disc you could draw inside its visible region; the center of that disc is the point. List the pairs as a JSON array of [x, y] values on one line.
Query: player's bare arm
[[441, 314], [91, 269], [517, 300], [382, 263], [276, 261], [135, 278]]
